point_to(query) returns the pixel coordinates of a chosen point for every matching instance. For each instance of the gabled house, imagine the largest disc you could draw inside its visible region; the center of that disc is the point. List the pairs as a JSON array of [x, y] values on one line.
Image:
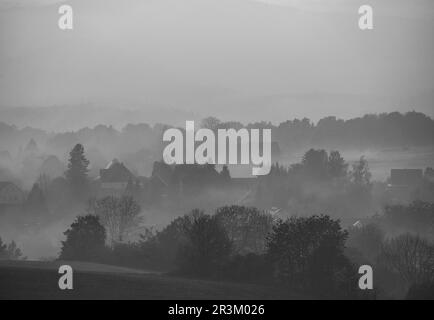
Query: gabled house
[[114, 179]]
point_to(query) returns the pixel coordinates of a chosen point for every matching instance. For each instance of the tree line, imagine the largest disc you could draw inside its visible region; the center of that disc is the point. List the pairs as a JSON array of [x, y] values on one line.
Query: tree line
[[371, 130], [312, 255]]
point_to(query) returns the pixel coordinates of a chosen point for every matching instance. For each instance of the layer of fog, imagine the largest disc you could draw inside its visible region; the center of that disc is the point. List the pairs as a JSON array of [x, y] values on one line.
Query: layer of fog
[[232, 59]]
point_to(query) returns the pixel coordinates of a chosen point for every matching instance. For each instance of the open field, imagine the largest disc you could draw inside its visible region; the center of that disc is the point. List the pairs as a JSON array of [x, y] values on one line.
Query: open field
[[39, 280]]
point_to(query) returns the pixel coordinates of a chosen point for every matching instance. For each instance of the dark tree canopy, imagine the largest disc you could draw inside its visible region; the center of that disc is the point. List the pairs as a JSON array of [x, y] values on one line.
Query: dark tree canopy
[[76, 174], [207, 247], [337, 167], [85, 240], [247, 227], [308, 254], [315, 164]]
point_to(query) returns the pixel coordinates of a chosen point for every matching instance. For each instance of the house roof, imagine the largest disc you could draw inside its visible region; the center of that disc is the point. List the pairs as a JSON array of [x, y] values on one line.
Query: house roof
[[116, 172]]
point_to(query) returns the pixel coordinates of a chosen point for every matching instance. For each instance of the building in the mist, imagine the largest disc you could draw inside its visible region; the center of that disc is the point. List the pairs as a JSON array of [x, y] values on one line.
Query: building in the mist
[[114, 179], [10, 194], [403, 184]]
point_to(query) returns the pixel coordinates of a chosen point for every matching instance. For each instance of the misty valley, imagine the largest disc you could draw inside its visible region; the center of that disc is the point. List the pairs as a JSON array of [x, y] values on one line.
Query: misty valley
[[104, 200], [219, 150]]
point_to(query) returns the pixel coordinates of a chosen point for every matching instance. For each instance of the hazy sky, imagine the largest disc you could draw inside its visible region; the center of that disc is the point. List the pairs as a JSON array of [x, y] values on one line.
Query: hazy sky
[[243, 59]]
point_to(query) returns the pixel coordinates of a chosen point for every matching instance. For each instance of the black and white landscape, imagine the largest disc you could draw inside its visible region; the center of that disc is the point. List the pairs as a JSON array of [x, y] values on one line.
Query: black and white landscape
[[83, 182]]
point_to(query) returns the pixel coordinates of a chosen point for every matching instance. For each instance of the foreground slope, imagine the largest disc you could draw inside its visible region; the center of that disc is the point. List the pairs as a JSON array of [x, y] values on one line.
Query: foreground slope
[[39, 280]]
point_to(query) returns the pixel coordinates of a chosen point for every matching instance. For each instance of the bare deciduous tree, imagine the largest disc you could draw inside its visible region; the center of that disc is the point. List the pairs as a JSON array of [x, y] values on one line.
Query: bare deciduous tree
[[128, 216], [118, 215], [412, 257]]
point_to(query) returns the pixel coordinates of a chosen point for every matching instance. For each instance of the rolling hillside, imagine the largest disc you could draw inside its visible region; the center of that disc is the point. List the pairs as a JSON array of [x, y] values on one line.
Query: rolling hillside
[[39, 280]]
